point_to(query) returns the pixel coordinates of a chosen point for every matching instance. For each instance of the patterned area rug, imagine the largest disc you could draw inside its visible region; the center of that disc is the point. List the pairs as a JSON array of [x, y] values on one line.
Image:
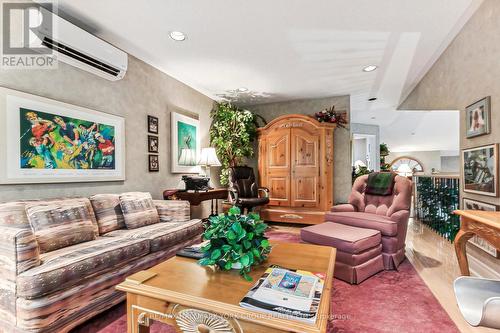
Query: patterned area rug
[[391, 301]]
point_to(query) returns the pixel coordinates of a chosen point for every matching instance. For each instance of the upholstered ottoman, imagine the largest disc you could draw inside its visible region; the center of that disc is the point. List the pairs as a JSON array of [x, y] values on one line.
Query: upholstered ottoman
[[359, 250]]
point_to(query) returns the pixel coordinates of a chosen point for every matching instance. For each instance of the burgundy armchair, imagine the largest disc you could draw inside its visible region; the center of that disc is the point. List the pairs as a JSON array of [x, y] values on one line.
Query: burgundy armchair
[[387, 214]]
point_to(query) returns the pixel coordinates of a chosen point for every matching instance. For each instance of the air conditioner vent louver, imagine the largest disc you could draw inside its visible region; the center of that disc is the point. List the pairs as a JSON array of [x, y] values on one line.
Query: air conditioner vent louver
[[72, 53]]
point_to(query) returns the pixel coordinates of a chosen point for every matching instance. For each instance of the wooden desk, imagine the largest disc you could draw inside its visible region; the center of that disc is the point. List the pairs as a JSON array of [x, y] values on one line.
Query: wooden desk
[[180, 284], [474, 222], [195, 198]]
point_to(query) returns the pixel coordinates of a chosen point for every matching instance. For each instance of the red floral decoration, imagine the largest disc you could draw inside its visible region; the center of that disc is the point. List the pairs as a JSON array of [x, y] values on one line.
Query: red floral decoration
[[332, 116]]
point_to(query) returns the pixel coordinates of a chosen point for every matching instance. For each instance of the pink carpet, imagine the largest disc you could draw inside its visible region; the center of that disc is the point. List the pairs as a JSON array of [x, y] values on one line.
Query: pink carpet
[[391, 301]]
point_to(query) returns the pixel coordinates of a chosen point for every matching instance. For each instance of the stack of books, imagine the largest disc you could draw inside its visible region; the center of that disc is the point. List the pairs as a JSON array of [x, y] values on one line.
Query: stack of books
[[286, 293]]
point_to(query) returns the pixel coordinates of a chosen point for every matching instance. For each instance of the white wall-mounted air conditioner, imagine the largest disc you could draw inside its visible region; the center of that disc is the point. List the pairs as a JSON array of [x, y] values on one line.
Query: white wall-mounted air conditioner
[[79, 48]]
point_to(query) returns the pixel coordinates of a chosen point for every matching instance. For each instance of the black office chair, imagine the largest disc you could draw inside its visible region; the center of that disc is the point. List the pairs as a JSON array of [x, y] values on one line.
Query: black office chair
[[244, 191]]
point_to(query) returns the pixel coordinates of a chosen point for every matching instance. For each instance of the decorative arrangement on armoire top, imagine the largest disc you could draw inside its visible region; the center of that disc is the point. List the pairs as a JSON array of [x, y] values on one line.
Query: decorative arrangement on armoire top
[[332, 116]]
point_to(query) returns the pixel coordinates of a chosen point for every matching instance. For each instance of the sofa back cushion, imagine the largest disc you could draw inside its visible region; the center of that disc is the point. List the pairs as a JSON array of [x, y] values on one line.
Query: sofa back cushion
[[108, 212], [58, 224], [138, 209]]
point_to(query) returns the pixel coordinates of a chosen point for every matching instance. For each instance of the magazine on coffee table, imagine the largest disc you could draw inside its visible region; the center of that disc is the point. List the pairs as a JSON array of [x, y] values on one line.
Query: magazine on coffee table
[[287, 293]]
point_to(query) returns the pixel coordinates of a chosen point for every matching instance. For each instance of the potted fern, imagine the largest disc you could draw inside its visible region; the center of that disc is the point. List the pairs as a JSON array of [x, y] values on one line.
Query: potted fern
[[236, 242]]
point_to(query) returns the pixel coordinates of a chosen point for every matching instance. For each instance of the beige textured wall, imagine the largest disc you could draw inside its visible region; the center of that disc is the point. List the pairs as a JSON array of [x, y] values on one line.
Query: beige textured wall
[[342, 150], [144, 90], [467, 71]]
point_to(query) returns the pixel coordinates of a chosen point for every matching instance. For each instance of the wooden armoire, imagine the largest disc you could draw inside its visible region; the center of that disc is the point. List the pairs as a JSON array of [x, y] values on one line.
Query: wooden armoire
[[296, 165]]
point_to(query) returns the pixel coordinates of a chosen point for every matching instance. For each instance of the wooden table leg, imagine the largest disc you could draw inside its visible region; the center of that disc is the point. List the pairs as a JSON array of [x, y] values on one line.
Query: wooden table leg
[[461, 250]]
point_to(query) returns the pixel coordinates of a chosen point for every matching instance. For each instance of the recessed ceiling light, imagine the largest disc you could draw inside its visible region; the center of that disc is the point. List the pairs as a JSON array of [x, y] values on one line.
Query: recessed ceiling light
[[242, 89], [177, 36], [373, 117], [412, 133], [370, 68], [372, 99]]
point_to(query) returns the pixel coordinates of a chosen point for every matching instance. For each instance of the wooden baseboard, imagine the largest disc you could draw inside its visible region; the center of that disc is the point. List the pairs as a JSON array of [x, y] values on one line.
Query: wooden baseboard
[[290, 215]]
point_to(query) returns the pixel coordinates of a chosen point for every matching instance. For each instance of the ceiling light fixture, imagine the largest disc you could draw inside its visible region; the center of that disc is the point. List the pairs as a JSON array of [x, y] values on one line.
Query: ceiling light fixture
[[242, 89], [370, 68], [177, 36]]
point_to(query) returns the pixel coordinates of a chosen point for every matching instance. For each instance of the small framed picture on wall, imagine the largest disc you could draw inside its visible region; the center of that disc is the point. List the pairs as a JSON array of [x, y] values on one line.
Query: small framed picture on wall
[[480, 170], [154, 163], [153, 144], [477, 118], [153, 124]]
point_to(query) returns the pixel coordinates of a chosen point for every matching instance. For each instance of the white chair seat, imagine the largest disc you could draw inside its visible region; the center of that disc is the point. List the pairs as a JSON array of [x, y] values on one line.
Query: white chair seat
[[479, 300]]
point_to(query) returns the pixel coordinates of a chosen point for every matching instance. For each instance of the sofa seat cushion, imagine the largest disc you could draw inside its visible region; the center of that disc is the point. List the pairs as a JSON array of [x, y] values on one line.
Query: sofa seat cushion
[[163, 235], [381, 223], [138, 209], [58, 224], [343, 237], [66, 267]]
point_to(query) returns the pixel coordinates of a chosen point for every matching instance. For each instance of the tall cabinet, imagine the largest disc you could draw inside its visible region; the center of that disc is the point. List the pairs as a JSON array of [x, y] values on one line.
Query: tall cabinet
[[296, 164]]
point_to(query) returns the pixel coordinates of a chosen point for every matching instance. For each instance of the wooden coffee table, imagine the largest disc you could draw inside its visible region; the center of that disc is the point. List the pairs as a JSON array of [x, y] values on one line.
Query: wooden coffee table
[[179, 286]]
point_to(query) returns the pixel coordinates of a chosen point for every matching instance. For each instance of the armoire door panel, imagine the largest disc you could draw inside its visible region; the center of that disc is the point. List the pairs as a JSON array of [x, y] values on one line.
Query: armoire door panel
[[278, 167], [305, 168]]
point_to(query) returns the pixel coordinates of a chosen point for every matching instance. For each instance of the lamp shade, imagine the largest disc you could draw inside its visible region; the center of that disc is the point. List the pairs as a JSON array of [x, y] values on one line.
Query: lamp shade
[[208, 157], [188, 157]]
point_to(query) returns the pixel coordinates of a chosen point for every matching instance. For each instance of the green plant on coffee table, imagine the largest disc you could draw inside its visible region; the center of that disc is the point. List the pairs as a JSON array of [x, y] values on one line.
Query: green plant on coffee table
[[235, 240]]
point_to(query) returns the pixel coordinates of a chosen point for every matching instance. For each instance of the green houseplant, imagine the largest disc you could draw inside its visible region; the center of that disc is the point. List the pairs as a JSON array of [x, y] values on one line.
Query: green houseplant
[[235, 240], [232, 133]]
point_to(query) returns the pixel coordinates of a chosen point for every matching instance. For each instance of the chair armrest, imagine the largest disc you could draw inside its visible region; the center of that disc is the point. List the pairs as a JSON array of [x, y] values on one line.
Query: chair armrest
[[400, 215], [173, 210], [233, 195], [264, 190], [344, 208]]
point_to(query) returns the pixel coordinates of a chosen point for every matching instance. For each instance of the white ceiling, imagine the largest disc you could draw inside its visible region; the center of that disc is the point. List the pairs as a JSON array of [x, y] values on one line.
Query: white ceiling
[[285, 49]]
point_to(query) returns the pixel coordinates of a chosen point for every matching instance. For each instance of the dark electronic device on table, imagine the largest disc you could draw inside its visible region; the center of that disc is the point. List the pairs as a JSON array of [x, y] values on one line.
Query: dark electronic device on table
[[196, 183]]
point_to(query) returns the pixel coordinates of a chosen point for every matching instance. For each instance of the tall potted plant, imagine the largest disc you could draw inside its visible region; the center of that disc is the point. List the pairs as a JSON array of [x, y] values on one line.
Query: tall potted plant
[[232, 134]]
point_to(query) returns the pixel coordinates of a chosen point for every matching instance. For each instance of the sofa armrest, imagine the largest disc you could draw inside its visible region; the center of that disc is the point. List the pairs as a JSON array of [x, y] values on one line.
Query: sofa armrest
[[344, 208], [173, 210], [19, 250], [400, 216]]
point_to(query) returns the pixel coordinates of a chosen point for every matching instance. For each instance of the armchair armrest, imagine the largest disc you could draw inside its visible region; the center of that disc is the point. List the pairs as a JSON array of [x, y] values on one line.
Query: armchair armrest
[[400, 215], [265, 190], [344, 208], [233, 195], [173, 210]]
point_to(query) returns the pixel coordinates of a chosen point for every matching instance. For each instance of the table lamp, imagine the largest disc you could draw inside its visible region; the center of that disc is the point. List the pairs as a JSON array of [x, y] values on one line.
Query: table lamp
[[208, 158]]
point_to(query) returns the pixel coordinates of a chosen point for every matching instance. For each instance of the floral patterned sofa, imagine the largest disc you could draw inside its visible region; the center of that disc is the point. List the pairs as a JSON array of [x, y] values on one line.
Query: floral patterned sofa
[[60, 259]]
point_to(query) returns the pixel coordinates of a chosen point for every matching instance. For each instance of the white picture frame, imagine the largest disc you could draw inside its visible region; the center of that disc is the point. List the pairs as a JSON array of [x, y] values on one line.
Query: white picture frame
[[471, 204], [480, 170], [185, 150], [14, 167]]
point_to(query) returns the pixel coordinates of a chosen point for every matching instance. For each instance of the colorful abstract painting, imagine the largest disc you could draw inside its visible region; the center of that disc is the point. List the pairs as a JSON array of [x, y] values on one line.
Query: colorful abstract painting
[[49, 141]]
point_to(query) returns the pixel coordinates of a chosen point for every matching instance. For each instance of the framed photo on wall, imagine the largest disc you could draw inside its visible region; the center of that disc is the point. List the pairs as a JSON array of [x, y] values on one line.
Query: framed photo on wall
[[152, 124], [185, 143], [471, 204], [46, 141], [477, 118], [480, 170], [153, 144], [154, 163]]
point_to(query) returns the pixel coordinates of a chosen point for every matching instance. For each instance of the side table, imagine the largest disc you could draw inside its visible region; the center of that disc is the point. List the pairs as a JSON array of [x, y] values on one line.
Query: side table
[[196, 197]]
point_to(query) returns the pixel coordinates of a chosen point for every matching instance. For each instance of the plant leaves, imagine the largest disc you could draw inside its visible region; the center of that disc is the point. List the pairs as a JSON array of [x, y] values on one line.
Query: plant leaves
[[245, 260], [204, 261], [216, 254]]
